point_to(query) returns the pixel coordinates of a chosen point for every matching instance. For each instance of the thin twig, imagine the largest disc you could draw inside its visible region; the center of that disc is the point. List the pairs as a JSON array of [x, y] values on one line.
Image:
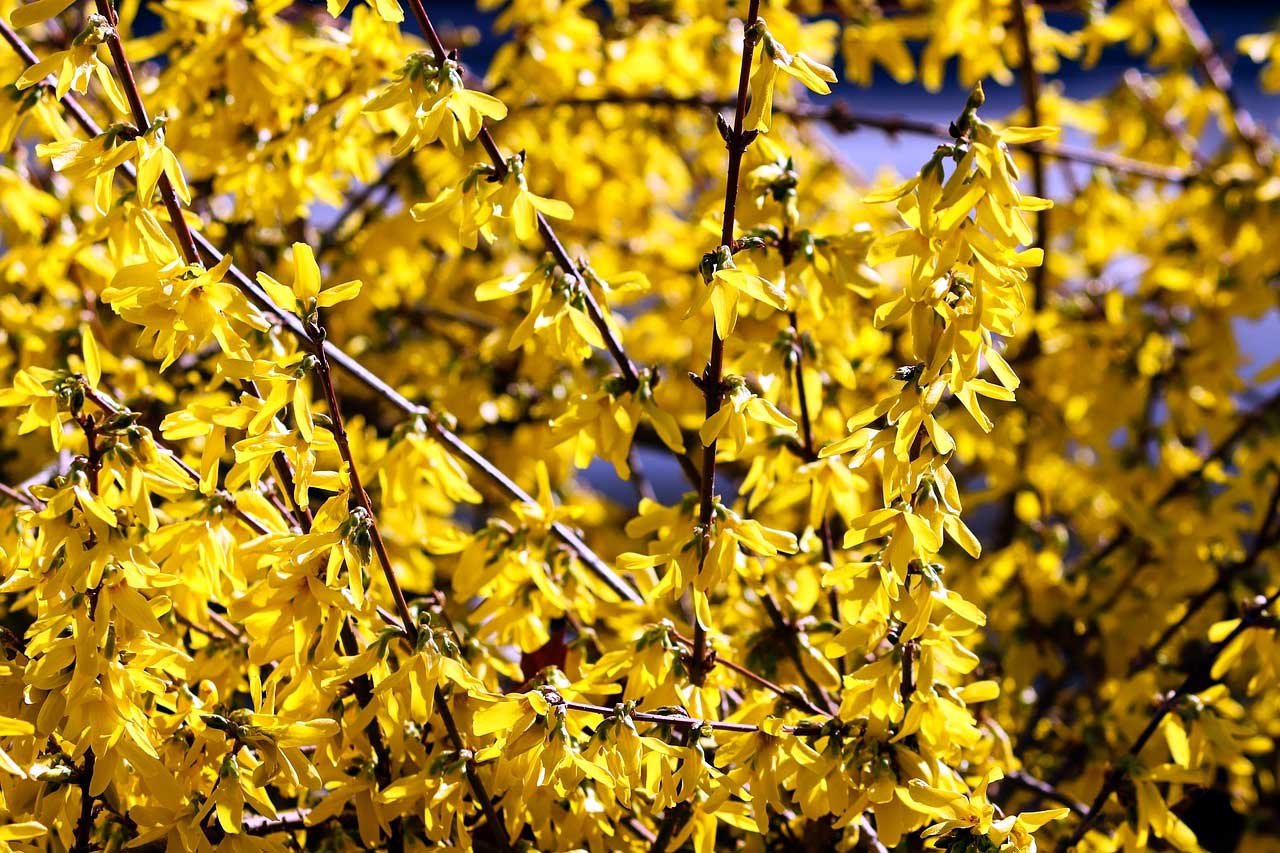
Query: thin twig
[[84, 823], [791, 641], [19, 497], [408, 625], [358, 493], [799, 700], [143, 123], [843, 119], [683, 722], [1044, 789], [712, 382], [631, 373]]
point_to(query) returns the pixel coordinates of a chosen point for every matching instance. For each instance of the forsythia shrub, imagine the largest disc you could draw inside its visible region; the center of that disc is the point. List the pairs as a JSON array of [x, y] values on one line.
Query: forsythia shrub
[[573, 458]]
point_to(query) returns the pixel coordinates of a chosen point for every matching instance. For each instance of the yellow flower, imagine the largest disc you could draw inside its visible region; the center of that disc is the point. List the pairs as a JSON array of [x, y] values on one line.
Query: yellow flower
[[441, 106], [881, 42], [775, 58], [973, 816], [604, 423], [725, 286], [155, 159], [78, 63], [96, 158], [470, 201], [182, 306], [36, 388], [729, 424], [388, 10], [514, 201], [304, 296], [557, 307]]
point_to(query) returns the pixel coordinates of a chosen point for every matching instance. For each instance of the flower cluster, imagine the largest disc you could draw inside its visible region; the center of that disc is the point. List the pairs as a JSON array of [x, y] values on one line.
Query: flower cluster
[[397, 457]]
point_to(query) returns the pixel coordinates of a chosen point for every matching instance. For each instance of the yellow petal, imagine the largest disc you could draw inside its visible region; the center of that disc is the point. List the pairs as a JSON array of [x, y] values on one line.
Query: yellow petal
[[23, 831], [1023, 135], [92, 357], [339, 293], [10, 727], [306, 273], [979, 691], [34, 13]]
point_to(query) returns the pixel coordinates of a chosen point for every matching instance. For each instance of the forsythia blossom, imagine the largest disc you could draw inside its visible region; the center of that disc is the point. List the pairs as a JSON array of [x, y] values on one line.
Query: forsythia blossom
[[930, 513]]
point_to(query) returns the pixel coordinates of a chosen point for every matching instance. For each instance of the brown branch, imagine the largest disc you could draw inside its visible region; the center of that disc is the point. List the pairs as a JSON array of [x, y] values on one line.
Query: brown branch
[[107, 404], [631, 374], [799, 700], [84, 823], [410, 628], [910, 652], [791, 641], [683, 722], [843, 119], [363, 685], [1044, 789], [167, 193], [19, 497], [712, 381], [358, 494], [712, 384]]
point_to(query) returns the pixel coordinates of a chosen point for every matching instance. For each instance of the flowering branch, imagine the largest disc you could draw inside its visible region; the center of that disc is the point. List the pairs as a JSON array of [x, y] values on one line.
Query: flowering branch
[[317, 339], [629, 373], [143, 123], [712, 379], [1250, 421]]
